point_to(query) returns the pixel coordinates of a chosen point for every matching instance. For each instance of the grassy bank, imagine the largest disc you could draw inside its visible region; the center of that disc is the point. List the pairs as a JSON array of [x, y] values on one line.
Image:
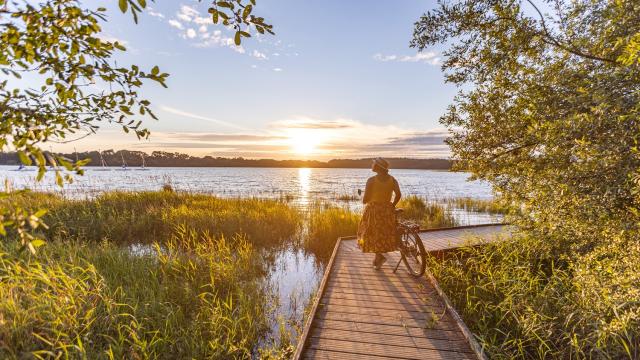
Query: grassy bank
[[525, 300]]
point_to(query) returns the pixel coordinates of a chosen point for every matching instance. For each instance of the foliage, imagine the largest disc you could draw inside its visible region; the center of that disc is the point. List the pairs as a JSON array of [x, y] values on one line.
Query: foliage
[[147, 217], [199, 299], [75, 85], [548, 113]]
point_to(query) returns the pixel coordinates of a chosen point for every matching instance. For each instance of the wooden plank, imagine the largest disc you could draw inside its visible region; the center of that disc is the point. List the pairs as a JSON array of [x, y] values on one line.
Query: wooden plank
[[392, 351], [388, 303], [363, 290], [427, 314], [339, 355], [395, 340], [445, 323], [391, 329], [334, 293]]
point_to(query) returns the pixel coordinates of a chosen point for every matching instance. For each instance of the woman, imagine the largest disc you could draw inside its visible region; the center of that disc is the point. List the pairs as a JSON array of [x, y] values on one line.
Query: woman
[[377, 229]]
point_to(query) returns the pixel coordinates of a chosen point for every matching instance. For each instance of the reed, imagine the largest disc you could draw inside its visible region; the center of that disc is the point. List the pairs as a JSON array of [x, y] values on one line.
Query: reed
[[196, 296], [146, 217], [326, 224], [428, 214], [489, 206], [523, 301]]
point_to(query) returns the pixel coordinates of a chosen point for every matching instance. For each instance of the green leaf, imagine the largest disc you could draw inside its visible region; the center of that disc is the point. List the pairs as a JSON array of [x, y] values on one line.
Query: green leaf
[[59, 180], [124, 4], [24, 158], [143, 3], [37, 243], [236, 38], [155, 70]]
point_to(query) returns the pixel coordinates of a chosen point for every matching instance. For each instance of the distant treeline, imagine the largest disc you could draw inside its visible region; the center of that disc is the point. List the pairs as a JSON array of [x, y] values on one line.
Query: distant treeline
[[169, 159]]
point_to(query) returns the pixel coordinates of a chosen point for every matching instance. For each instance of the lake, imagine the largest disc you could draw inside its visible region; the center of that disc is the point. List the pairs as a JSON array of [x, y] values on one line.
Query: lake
[[302, 186]]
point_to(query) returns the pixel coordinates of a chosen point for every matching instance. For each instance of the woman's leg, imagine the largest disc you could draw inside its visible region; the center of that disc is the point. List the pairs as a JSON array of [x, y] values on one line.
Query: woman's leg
[[379, 260]]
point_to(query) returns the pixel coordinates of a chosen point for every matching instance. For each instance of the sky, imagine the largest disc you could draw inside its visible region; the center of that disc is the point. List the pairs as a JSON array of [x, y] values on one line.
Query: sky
[[338, 80]]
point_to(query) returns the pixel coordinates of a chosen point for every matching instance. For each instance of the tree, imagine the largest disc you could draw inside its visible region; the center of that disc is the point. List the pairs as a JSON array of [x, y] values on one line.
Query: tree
[[551, 119], [548, 112], [57, 44]]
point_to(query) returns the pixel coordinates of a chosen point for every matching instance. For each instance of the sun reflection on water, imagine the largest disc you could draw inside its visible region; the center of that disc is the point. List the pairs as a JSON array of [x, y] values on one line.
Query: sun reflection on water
[[304, 182]]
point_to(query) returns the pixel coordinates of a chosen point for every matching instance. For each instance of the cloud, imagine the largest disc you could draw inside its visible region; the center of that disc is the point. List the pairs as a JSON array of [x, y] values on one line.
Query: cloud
[[113, 39], [176, 24], [155, 13], [258, 55], [306, 123], [199, 117], [212, 137], [187, 13], [277, 69], [433, 137], [429, 57], [188, 19]]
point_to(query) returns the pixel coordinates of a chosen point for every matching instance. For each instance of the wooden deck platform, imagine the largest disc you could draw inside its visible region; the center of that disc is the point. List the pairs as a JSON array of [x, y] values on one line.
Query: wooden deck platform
[[361, 313]]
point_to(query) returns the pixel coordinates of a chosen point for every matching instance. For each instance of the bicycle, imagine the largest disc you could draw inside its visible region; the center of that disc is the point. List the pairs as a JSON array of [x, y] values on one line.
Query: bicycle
[[412, 251]]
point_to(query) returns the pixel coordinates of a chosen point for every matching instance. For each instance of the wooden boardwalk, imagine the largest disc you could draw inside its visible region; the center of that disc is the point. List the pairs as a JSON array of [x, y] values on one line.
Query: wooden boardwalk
[[361, 313]]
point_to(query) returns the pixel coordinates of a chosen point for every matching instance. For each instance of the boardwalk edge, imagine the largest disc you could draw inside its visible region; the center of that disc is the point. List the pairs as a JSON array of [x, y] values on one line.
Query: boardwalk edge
[[302, 342], [473, 343]]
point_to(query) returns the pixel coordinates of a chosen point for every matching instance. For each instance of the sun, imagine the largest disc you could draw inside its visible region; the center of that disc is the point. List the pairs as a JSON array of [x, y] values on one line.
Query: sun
[[304, 142]]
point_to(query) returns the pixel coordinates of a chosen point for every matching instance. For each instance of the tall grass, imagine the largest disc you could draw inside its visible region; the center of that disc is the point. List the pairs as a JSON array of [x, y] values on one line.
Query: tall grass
[[326, 224], [145, 217], [524, 302], [427, 214], [196, 297], [489, 206]]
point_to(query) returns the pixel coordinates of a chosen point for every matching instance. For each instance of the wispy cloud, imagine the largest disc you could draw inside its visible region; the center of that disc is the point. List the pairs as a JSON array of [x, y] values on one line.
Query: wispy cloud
[[199, 117], [259, 55], [307, 123], [154, 13], [429, 57], [277, 69], [176, 24]]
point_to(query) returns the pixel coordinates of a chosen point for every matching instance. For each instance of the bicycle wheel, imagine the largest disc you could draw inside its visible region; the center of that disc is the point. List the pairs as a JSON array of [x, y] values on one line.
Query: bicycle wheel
[[415, 256]]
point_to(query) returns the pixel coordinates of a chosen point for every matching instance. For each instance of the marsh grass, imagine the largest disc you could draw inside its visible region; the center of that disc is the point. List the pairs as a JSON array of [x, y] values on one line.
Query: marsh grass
[[325, 225], [489, 206], [523, 301], [196, 297], [146, 217], [427, 213], [347, 197]]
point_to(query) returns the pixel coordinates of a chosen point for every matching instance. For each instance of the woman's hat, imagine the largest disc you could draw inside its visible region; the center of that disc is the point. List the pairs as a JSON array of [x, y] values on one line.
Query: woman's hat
[[384, 164]]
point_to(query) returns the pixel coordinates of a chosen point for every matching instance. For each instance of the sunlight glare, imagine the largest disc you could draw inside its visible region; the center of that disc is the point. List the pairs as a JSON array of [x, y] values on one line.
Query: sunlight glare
[[304, 142]]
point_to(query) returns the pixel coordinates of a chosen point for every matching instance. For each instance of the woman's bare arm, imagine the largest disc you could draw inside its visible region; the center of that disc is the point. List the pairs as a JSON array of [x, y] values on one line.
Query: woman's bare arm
[[396, 192], [367, 192]]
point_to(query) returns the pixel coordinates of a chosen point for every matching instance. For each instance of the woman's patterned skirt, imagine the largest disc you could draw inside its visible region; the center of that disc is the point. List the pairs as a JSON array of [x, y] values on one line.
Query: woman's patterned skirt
[[377, 229]]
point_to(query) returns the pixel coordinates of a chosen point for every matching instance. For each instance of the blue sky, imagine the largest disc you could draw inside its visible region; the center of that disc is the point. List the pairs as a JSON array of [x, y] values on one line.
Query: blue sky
[[337, 80]]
